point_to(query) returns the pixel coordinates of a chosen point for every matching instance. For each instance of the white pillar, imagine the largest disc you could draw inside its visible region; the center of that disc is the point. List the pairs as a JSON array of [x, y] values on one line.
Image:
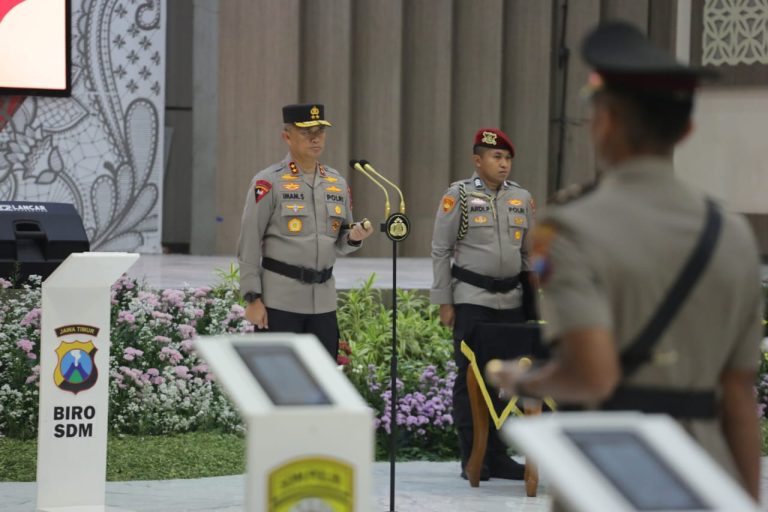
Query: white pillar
[[74, 378]]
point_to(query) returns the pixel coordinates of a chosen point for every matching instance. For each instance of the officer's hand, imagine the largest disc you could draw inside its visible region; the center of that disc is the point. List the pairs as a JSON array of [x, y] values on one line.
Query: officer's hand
[[506, 375], [256, 313], [447, 314], [360, 230]]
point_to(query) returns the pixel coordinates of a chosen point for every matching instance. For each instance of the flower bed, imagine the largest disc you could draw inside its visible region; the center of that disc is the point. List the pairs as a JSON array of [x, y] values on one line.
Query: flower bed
[[159, 386]]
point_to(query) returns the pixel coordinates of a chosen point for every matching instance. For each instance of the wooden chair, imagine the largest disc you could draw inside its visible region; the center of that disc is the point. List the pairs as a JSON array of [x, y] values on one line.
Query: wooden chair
[[490, 341]]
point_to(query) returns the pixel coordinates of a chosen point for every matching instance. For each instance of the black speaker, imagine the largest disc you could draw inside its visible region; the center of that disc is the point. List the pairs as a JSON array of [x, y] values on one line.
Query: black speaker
[[36, 237]]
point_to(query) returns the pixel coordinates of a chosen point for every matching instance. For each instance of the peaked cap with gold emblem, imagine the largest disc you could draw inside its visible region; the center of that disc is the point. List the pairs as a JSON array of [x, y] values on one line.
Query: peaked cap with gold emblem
[[305, 116]]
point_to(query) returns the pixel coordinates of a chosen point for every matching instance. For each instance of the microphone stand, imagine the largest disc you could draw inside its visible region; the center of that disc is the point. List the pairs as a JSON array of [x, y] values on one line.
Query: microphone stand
[[396, 228]]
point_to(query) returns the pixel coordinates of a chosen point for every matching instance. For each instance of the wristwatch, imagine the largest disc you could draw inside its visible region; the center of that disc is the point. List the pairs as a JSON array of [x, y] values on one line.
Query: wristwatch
[[251, 297]]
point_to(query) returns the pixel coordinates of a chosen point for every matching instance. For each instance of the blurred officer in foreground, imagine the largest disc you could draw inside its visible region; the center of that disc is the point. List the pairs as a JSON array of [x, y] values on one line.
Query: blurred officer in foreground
[[642, 296], [482, 223], [296, 219]]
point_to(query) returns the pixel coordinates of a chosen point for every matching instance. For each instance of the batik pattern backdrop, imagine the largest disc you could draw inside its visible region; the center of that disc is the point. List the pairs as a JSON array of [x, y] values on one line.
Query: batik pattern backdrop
[[101, 149]]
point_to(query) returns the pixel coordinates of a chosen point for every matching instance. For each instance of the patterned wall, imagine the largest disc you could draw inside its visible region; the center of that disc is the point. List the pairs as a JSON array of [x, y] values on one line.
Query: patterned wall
[[101, 149], [731, 38], [735, 32]]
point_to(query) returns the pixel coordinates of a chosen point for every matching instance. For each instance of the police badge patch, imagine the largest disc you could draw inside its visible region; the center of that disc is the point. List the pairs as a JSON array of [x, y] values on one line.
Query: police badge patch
[[261, 189], [76, 367]]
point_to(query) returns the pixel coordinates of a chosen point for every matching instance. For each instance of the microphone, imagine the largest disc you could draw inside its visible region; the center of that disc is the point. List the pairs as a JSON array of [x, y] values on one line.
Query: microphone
[[368, 167], [387, 208]]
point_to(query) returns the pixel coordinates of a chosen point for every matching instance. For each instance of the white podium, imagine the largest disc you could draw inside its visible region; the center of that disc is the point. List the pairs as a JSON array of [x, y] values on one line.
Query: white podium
[[74, 378], [625, 462], [310, 434]]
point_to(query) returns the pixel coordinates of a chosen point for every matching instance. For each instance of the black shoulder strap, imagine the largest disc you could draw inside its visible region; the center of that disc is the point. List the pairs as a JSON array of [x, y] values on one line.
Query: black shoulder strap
[[640, 351]]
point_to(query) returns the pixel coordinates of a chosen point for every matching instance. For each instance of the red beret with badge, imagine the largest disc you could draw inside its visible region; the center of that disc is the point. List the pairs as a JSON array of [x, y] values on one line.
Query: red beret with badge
[[493, 138]]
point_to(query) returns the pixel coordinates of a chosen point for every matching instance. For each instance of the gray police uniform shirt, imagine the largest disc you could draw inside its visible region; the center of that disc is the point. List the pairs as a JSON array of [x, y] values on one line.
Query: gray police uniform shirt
[[608, 259], [296, 218], [496, 243]]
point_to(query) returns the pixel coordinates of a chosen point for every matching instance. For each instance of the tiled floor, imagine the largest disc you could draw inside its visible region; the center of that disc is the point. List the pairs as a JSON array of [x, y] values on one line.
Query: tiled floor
[[176, 271], [421, 487]]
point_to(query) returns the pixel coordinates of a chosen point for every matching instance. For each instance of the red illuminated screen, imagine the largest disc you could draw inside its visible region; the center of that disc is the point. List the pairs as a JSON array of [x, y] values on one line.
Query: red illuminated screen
[[34, 55]]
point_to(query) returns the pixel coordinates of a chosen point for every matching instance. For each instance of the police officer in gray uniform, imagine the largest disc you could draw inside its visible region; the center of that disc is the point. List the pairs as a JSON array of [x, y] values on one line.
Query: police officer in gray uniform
[[482, 225], [297, 217], [651, 291]]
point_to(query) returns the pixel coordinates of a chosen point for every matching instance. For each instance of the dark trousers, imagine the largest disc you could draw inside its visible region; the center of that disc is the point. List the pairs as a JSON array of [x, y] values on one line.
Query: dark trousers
[[322, 325], [466, 316]]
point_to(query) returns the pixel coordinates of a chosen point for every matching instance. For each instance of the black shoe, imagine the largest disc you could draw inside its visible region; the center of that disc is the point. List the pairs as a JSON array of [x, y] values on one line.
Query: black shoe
[[504, 467], [484, 474]]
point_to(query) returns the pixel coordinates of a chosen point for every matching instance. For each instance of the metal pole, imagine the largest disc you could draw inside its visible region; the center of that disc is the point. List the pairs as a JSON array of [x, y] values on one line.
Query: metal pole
[[393, 384]]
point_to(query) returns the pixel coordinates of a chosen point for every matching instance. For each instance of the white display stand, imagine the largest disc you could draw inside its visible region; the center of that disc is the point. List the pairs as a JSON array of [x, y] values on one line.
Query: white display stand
[[625, 462], [74, 378], [310, 434]]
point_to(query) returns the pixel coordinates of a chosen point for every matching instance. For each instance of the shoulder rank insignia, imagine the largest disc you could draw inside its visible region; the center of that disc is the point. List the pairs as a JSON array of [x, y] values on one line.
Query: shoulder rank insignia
[[261, 189], [323, 172], [478, 183], [294, 168]]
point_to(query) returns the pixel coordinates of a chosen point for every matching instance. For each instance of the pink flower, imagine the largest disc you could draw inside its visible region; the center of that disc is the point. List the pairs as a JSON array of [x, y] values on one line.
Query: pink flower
[[5, 283], [162, 339], [170, 354], [158, 380], [32, 355], [153, 372], [187, 345], [32, 318], [201, 292], [25, 345], [186, 331], [35, 375], [130, 353], [182, 372], [201, 368], [126, 317]]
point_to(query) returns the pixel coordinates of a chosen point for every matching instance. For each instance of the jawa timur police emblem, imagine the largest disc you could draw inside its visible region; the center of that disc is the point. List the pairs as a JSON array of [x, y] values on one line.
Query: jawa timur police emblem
[[76, 367]]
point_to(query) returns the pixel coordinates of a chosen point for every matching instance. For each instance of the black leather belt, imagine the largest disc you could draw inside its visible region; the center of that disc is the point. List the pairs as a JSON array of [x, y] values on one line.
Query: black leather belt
[[677, 403], [491, 284], [303, 274]]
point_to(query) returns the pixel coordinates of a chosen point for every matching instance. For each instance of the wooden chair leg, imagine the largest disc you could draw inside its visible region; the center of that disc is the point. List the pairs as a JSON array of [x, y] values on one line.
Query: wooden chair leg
[[531, 408], [479, 430]]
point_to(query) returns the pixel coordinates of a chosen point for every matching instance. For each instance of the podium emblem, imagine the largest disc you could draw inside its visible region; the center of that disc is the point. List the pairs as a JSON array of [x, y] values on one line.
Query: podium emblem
[[76, 368], [312, 484]]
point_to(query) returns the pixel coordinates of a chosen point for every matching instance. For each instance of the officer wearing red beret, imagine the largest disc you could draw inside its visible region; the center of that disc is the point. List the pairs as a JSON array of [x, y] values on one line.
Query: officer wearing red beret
[[482, 225]]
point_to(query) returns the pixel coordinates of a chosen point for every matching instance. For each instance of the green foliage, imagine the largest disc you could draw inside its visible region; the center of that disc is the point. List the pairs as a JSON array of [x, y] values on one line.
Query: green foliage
[[193, 455], [425, 369], [366, 323]]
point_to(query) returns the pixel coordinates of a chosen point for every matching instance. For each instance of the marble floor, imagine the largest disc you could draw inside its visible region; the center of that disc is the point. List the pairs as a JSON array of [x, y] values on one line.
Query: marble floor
[[178, 271], [421, 487]]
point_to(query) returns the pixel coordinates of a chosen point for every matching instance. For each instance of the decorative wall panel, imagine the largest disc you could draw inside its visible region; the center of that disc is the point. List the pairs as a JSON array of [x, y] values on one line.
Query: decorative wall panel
[[100, 149], [735, 32]]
